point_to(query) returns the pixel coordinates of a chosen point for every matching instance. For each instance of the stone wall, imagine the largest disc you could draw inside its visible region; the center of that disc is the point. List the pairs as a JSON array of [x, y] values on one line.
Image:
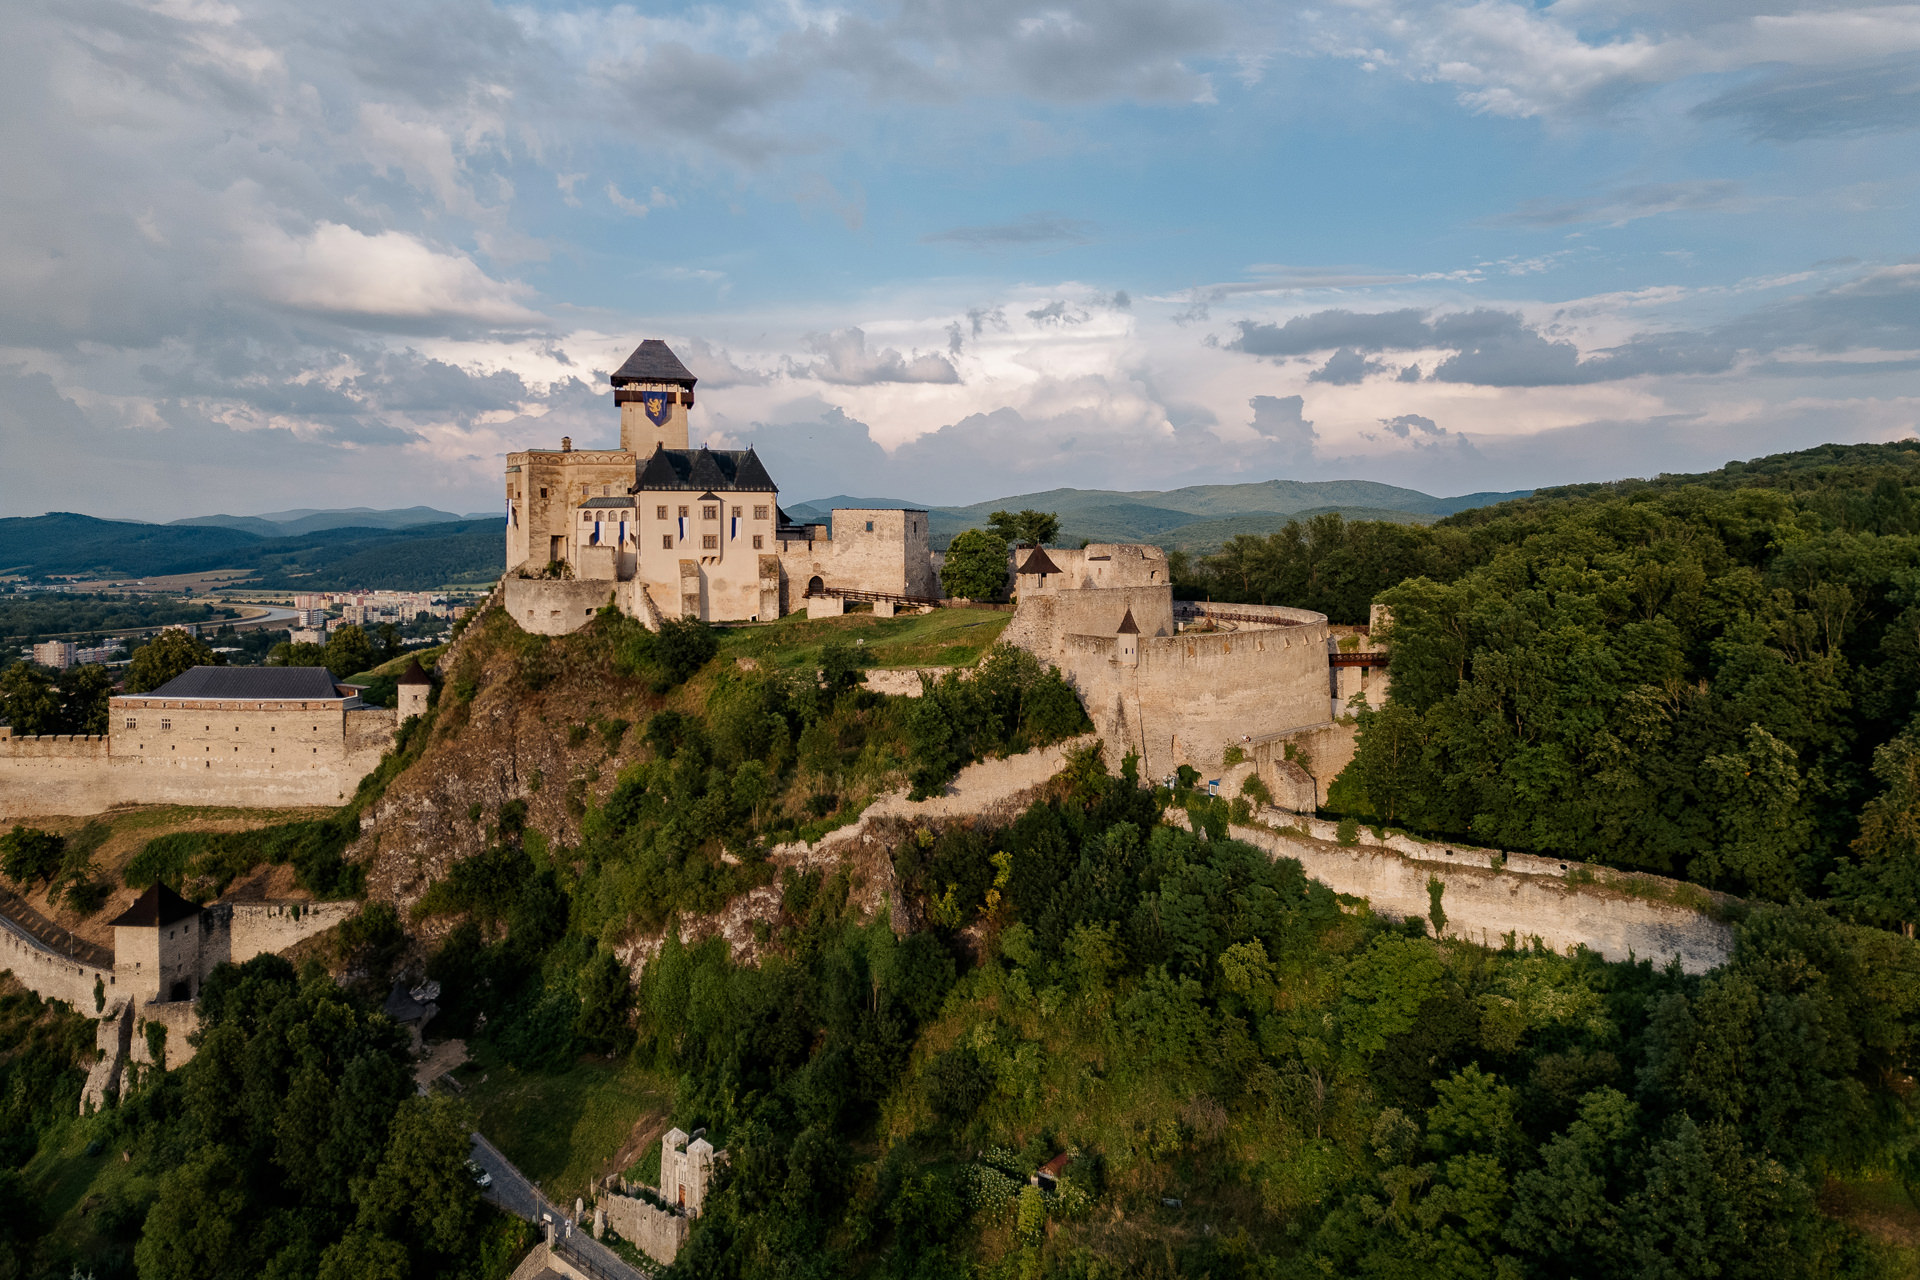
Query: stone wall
[[272, 754], [1179, 699], [1486, 899], [51, 976], [180, 1017], [554, 606], [1320, 752], [1044, 620], [652, 1230]]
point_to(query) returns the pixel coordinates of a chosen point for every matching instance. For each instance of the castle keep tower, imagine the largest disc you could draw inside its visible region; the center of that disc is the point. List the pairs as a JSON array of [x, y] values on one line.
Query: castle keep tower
[[654, 391]]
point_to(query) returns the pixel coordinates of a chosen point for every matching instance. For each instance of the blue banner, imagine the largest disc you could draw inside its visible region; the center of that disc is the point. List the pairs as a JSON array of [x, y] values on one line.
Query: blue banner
[[658, 407]]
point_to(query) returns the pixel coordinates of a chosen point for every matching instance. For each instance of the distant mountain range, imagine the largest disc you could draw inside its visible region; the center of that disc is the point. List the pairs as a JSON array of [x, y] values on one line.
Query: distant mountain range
[[287, 524], [422, 547], [402, 555], [1197, 518]]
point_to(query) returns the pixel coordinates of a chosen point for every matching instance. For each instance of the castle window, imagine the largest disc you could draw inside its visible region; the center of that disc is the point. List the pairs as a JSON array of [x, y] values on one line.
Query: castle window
[[683, 513], [666, 542], [759, 513], [165, 724], [659, 513], [709, 513], [131, 723], [709, 542], [758, 541], [736, 513], [869, 526], [606, 490], [543, 491]]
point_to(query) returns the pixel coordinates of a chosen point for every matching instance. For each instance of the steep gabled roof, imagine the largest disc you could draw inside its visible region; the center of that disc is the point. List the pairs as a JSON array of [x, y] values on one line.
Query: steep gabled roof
[[653, 361], [701, 470], [1039, 562], [157, 907], [748, 473], [706, 472], [1128, 627]]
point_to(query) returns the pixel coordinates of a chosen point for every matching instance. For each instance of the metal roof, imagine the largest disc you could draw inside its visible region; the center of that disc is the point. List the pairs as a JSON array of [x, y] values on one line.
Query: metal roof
[[249, 683], [158, 906], [720, 470], [653, 361]]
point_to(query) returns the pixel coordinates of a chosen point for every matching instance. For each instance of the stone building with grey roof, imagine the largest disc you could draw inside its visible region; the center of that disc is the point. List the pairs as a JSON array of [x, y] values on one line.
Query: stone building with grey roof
[[250, 737], [662, 529]]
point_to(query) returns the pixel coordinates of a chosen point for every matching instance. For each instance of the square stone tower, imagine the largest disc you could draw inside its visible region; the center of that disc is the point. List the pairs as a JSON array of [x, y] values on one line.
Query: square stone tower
[[654, 391], [156, 947]]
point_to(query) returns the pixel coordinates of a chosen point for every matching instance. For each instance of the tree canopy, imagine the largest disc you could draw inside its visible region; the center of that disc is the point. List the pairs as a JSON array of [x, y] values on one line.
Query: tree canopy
[[975, 567], [169, 654], [1025, 528]]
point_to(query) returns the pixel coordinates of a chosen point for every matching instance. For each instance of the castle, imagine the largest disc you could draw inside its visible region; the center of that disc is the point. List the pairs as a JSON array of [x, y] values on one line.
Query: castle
[[663, 530]]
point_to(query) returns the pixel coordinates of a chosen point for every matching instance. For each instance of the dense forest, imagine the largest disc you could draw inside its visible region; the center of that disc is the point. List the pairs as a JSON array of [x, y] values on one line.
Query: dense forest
[[1706, 676]]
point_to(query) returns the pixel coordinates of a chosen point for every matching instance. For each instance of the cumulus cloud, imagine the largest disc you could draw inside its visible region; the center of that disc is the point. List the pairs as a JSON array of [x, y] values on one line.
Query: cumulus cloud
[[843, 359], [1878, 310], [1511, 59], [1407, 423], [1402, 330], [1281, 422], [1346, 367], [378, 280]]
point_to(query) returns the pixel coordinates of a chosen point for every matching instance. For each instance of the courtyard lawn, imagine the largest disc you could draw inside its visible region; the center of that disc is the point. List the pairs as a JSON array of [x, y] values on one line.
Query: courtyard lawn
[[563, 1129], [942, 638]]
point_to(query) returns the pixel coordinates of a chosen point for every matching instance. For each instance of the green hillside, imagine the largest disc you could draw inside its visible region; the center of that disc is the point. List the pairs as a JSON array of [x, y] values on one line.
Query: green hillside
[[413, 558], [1195, 518]]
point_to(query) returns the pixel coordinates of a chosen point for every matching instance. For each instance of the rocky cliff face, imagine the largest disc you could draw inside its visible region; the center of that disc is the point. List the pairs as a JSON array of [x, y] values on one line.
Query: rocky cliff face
[[517, 718]]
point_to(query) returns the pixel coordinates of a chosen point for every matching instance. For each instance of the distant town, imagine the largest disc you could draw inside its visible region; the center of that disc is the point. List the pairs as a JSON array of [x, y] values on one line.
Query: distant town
[[243, 631]]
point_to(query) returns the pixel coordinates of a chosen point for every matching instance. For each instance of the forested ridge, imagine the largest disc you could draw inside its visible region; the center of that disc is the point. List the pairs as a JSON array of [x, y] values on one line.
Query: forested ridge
[[1707, 676]]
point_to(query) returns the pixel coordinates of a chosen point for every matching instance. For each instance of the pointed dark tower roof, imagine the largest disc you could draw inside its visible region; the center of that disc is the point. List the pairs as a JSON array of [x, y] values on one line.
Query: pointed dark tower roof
[[748, 473], [1039, 562], [157, 907], [658, 471], [414, 674], [1128, 627], [706, 473], [653, 361]]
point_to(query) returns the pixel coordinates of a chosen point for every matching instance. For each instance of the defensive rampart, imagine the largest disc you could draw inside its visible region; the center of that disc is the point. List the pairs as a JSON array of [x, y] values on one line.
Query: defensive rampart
[[555, 606], [216, 756], [654, 1231], [52, 976], [1489, 897]]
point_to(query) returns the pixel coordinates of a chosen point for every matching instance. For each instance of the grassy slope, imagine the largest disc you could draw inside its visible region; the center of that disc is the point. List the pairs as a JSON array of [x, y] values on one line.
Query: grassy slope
[[943, 638], [563, 1129]]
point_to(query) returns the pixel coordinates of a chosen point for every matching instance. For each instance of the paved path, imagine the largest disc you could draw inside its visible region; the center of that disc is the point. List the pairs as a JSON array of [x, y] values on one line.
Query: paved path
[[514, 1193]]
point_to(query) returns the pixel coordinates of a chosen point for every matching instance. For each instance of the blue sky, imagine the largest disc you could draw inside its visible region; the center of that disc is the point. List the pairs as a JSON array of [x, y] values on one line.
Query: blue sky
[[258, 256]]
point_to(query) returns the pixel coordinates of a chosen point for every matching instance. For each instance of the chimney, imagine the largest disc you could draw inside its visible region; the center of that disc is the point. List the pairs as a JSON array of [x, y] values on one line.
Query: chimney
[[566, 444]]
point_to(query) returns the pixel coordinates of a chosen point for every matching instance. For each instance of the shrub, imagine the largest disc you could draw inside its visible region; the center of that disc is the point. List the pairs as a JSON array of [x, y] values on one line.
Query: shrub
[[29, 855]]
